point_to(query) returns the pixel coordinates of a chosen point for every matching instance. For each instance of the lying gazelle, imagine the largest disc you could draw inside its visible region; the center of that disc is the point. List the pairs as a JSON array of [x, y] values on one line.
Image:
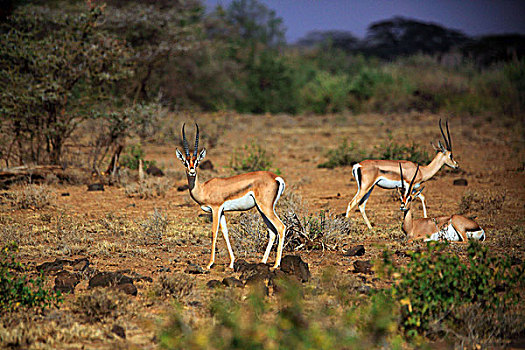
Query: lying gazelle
[[455, 228], [384, 173], [260, 189]]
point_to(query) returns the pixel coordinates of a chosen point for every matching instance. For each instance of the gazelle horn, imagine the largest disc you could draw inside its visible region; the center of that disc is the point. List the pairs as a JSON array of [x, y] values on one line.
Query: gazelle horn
[[413, 179], [443, 134], [195, 151], [185, 142], [449, 139], [402, 182]]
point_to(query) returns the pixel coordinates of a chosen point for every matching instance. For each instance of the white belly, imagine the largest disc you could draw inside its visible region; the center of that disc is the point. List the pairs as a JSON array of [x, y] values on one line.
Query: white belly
[[206, 208], [244, 203], [392, 184], [388, 184], [447, 234]]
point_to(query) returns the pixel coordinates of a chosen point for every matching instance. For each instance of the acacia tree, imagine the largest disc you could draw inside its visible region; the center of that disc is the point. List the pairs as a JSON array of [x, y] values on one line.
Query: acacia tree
[[56, 68]]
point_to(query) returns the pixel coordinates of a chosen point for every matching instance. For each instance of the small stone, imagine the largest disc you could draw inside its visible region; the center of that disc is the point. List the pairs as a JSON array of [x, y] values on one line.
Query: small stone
[[358, 250], [96, 187], [66, 282], [213, 284], [64, 194], [294, 265], [80, 264], [363, 266], [194, 269], [127, 288], [154, 171], [183, 188], [232, 282], [119, 330], [460, 182]]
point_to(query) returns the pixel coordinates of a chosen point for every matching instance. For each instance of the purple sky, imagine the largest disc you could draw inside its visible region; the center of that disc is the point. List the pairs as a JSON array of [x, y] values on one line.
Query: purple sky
[[473, 17]]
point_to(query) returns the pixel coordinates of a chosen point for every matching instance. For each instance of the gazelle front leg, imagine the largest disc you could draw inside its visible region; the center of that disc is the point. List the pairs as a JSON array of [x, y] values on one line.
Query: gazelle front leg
[[226, 238], [422, 198], [215, 229]]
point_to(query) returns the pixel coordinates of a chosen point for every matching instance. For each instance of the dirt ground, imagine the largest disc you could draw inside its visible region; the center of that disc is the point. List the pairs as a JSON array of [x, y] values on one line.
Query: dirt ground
[[491, 155]]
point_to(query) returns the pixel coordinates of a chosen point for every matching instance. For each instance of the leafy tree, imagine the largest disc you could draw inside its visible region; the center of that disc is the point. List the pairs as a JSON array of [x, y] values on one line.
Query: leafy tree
[[402, 37], [164, 35], [55, 69]]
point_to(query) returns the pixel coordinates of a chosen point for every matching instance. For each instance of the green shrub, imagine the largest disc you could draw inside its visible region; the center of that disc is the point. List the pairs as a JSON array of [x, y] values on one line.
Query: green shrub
[[17, 289], [326, 93], [134, 154], [252, 322], [345, 154], [436, 283], [251, 158], [395, 151]]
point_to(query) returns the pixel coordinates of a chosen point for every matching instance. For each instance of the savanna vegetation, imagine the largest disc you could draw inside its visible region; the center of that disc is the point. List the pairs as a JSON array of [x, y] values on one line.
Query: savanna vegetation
[[95, 93]]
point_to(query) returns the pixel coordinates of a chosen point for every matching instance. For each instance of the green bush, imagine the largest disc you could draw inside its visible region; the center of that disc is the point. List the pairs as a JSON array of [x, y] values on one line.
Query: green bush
[[251, 158], [436, 282], [252, 322], [17, 289], [345, 154], [394, 151], [133, 156], [326, 93]]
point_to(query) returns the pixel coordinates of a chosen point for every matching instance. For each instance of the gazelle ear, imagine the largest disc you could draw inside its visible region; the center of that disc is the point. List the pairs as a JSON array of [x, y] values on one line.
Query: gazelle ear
[[180, 156], [202, 154]]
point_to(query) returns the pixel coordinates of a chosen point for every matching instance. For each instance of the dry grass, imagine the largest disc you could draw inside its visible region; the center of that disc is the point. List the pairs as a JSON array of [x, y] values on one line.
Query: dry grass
[[149, 188], [488, 202], [32, 197]]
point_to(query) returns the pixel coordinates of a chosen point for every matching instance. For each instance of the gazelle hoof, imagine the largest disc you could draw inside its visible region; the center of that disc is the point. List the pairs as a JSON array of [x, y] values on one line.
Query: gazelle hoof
[[209, 266]]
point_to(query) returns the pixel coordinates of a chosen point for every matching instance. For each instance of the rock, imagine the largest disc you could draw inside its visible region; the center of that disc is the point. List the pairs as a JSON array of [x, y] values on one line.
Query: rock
[[206, 165], [364, 289], [401, 254], [119, 330], [53, 266], [250, 270], [128, 288], [363, 266], [213, 284], [355, 251], [64, 194], [183, 188], [96, 187], [294, 265], [232, 282], [460, 182], [154, 171], [195, 269], [106, 279], [80, 264], [66, 281]]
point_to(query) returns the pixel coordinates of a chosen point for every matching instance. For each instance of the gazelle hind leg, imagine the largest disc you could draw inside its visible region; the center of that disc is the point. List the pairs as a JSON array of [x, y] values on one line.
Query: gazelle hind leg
[[362, 206], [226, 239], [215, 229], [422, 198], [275, 225]]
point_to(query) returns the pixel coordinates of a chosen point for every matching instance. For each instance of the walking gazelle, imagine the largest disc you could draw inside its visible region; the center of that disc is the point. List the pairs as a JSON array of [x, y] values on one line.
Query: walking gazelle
[[385, 174], [260, 189], [451, 228]]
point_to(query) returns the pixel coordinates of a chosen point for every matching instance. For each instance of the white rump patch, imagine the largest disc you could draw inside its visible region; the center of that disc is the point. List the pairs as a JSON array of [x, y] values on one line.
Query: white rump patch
[[479, 235], [449, 233]]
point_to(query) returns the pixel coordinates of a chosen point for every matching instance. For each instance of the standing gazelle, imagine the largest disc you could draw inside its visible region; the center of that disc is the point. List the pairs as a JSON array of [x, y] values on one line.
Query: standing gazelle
[[385, 174], [260, 189], [451, 228]]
